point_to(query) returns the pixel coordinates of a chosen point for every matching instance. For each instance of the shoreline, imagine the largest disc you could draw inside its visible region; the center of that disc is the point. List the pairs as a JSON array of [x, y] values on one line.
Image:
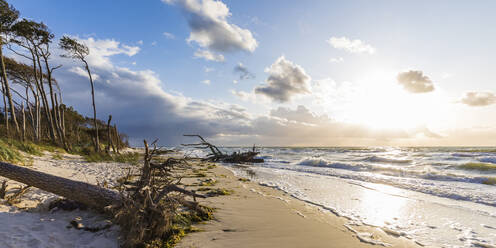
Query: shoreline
[[246, 214], [260, 216]]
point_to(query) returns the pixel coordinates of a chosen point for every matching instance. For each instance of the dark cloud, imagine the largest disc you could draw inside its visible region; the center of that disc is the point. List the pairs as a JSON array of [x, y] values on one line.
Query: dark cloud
[[478, 99], [243, 72], [286, 79], [415, 82]]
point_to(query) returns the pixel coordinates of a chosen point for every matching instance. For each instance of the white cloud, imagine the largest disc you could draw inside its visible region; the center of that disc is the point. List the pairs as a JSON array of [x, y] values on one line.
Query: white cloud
[[250, 96], [208, 55], [208, 69], [210, 28], [478, 99], [140, 42], [415, 82], [206, 81], [301, 114], [154, 43], [446, 75], [169, 35], [101, 50], [286, 80], [352, 46], [336, 60], [83, 73], [235, 81]]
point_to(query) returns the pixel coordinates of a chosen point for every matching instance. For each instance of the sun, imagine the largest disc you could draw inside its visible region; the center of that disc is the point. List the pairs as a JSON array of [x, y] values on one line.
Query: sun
[[381, 103]]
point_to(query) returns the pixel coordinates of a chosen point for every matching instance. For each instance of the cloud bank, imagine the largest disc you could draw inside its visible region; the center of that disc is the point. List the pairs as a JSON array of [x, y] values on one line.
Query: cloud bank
[[286, 80], [415, 82], [143, 108]]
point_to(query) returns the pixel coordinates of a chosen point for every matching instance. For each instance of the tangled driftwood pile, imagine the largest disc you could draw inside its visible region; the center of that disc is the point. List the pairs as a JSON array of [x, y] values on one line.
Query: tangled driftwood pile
[[150, 210], [217, 155]]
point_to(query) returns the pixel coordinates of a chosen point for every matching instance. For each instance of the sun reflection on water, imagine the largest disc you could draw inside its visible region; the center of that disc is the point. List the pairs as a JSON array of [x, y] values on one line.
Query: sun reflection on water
[[382, 205]]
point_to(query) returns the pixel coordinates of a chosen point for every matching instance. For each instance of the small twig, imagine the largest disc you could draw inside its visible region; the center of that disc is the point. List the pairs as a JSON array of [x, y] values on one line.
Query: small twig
[[15, 198]]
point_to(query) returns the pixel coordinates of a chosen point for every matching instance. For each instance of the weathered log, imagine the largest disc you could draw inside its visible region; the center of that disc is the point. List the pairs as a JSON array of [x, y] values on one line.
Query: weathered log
[[88, 194]]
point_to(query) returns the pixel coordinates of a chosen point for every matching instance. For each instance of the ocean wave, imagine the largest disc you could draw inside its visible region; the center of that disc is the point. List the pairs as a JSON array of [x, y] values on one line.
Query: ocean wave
[[318, 162], [377, 159], [491, 160], [464, 155], [478, 166], [398, 172], [432, 183]]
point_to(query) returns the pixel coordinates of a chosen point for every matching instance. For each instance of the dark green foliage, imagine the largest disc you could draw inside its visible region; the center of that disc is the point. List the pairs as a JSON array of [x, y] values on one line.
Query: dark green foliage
[[8, 15]]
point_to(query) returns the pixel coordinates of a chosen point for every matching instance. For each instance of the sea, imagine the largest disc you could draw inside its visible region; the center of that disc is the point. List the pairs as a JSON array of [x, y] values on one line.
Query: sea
[[436, 196]]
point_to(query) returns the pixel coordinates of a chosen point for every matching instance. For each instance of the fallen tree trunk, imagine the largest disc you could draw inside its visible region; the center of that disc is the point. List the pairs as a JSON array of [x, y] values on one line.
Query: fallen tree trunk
[[88, 194]]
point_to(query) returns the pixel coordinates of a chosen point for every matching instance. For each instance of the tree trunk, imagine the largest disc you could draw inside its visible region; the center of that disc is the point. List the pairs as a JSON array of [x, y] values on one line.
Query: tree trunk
[[46, 106], [53, 99], [5, 111], [36, 94], [30, 111], [61, 112], [23, 122], [7, 89], [109, 136], [117, 140], [88, 194], [97, 141]]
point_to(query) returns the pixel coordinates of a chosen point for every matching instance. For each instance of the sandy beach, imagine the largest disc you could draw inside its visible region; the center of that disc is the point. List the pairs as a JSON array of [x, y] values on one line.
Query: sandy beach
[[30, 223], [250, 215], [260, 216]]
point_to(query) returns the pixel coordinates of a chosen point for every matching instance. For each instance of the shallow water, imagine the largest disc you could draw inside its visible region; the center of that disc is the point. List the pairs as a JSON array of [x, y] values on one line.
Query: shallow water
[[436, 196]]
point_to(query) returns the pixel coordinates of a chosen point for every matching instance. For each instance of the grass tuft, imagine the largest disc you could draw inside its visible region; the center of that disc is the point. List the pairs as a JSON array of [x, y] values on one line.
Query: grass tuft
[[9, 153], [128, 158]]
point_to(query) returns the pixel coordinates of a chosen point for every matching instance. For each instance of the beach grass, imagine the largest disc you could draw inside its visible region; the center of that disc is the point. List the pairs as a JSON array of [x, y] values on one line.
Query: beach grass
[[130, 157], [9, 153], [478, 166]]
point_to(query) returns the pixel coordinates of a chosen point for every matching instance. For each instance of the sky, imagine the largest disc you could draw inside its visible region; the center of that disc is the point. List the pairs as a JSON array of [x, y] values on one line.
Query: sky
[[283, 73]]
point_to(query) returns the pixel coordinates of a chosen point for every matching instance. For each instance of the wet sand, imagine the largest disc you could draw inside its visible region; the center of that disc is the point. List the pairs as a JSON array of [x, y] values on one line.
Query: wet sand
[[259, 216]]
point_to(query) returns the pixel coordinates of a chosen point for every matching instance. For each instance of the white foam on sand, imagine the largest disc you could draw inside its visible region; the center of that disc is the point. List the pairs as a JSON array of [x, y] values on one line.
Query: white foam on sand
[[39, 227]]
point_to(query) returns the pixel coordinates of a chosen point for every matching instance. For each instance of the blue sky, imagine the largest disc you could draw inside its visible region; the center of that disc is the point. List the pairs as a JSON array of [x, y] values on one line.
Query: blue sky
[[450, 42]]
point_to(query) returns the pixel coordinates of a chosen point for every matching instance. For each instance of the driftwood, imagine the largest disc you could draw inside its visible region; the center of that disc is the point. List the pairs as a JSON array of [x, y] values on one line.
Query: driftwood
[[15, 198], [88, 194], [146, 210], [148, 213], [217, 155]]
